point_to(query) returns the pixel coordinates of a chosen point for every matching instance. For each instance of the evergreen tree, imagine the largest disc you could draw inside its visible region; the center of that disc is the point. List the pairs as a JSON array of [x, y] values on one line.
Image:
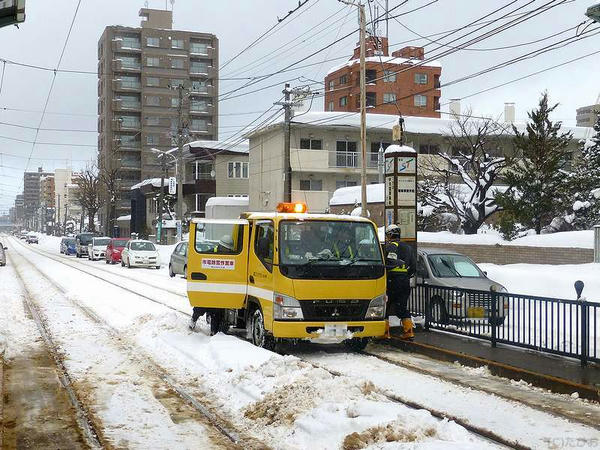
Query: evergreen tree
[[585, 183], [537, 184]]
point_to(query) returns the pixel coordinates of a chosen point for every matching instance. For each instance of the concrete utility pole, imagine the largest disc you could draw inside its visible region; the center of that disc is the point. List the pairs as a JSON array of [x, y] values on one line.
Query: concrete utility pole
[[181, 172], [288, 103], [363, 106]]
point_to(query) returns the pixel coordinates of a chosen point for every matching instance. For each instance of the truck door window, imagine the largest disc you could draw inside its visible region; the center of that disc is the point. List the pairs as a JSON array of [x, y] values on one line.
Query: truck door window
[[263, 244], [421, 269], [219, 238]]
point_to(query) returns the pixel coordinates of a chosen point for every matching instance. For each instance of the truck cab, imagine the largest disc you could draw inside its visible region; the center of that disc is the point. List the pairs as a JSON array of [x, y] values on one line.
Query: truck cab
[[289, 275]]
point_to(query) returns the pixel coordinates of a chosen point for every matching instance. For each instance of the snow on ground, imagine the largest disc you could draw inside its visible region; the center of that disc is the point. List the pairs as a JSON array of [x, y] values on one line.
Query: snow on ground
[[547, 280]]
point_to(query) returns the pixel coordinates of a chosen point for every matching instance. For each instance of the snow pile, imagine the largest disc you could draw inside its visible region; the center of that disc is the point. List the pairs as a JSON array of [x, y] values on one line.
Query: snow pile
[[351, 195], [581, 205], [395, 149], [153, 181]]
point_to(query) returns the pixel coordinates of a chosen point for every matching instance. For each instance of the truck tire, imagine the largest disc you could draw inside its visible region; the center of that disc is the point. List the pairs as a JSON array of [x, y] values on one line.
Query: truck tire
[[260, 336], [217, 322], [356, 344]]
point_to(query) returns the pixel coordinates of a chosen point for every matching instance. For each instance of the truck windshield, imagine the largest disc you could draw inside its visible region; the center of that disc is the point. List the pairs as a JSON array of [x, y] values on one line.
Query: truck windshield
[[328, 249], [453, 266]]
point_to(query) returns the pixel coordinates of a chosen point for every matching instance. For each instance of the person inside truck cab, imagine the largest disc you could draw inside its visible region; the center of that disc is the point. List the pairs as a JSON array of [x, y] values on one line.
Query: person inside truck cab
[[344, 243], [225, 245]]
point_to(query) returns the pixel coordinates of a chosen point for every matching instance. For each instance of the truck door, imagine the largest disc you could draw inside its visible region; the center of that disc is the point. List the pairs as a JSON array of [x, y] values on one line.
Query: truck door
[[260, 267], [218, 263]]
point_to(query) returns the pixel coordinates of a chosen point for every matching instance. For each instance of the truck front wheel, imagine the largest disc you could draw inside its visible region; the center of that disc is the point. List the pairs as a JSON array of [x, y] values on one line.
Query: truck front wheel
[[356, 344], [260, 337]]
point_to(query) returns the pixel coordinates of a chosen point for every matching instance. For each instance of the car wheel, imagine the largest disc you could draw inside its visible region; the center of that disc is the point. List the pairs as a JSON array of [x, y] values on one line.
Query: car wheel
[[128, 264], [184, 271], [106, 261], [122, 263], [356, 344], [260, 337], [157, 267], [171, 274], [437, 311]]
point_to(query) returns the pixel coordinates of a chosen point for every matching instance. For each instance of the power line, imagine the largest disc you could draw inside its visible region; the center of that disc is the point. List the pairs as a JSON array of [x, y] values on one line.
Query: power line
[[70, 130], [64, 144]]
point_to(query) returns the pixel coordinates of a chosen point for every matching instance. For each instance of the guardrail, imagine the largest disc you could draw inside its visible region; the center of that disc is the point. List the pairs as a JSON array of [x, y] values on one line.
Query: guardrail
[[551, 325]]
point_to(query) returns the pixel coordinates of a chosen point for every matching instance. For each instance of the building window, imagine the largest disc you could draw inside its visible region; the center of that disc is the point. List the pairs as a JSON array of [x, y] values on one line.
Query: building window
[[130, 42], [429, 149], [177, 43], [153, 120], [371, 76], [343, 101], [237, 169], [389, 76], [343, 79], [152, 62], [389, 97], [375, 146], [152, 139], [153, 81], [177, 63], [200, 86], [174, 102], [344, 183], [199, 125], [420, 100], [346, 155], [153, 42], [331, 85], [371, 99], [198, 67], [129, 121], [130, 82], [330, 106], [153, 100], [129, 62], [311, 185], [420, 78], [200, 48], [198, 105], [311, 144]]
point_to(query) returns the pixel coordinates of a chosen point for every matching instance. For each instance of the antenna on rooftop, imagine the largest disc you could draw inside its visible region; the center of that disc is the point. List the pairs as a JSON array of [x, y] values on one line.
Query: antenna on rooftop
[[172, 4], [146, 4]]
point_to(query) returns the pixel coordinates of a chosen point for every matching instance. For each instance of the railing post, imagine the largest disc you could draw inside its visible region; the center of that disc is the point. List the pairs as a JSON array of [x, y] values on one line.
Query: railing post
[[584, 333], [426, 301], [597, 243], [493, 318]]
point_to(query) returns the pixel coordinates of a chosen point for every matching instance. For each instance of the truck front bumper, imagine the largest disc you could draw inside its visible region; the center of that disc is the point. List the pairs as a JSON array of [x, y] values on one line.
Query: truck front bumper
[[318, 330]]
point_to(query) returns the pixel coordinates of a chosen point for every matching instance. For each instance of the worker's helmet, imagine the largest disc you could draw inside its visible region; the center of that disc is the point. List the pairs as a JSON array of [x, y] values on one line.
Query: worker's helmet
[[393, 232], [226, 242]]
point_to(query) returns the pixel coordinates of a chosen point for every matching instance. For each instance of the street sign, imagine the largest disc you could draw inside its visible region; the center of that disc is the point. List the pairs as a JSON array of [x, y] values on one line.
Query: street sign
[[172, 185]]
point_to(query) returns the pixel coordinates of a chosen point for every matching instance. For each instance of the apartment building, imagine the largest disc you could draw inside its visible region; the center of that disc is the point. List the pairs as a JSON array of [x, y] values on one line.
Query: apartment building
[[325, 154], [139, 71], [31, 196], [401, 83], [587, 115]]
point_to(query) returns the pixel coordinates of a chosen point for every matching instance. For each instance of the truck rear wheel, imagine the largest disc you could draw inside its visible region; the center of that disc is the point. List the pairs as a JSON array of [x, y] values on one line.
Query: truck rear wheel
[[260, 337], [218, 322]]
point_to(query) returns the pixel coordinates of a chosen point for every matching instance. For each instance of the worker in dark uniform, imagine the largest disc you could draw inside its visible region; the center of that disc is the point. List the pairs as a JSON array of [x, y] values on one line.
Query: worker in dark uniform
[[400, 263]]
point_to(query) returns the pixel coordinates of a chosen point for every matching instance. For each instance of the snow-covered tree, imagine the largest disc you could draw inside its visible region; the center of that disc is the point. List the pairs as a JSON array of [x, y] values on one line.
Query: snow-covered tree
[[88, 194], [537, 182], [585, 183], [468, 173]]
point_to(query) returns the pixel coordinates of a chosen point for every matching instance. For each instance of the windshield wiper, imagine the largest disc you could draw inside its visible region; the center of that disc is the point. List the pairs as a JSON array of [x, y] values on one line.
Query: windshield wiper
[[444, 262], [355, 260]]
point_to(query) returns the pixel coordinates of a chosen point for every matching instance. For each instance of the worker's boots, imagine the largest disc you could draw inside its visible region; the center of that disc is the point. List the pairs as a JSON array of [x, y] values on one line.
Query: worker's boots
[[407, 330]]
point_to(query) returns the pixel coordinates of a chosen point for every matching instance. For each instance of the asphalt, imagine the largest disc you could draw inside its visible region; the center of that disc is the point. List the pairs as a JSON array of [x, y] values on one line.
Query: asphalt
[[559, 374]]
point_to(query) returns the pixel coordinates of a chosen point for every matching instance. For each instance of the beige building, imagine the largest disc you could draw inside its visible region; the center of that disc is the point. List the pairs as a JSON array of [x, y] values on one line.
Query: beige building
[[140, 70], [587, 115], [325, 154]]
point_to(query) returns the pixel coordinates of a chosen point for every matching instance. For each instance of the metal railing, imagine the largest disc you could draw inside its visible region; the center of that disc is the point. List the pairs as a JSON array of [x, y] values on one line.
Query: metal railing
[[550, 325]]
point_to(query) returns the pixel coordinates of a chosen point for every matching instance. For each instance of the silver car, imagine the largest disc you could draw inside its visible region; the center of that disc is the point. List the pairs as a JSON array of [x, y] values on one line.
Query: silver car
[[2, 254], [448, 269], [178, 262]]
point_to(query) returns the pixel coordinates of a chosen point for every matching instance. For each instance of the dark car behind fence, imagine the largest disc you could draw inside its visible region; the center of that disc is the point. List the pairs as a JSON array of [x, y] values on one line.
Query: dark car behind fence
[[563, 327]]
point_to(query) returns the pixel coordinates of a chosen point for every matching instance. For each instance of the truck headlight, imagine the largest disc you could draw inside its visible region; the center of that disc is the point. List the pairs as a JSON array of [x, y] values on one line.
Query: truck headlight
[[376, 309], [286, 307]]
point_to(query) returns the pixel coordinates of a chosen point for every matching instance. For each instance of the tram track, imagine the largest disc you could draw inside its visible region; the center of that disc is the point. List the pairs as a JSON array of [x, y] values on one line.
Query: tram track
[[210, 418], [479, 431]]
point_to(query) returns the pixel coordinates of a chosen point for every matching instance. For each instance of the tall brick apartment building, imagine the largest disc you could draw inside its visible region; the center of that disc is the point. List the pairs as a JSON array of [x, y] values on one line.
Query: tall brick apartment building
[[394, 83]]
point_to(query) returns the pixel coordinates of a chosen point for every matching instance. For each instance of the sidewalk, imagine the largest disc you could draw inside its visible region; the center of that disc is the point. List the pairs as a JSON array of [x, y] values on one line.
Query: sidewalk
[[556, 373]]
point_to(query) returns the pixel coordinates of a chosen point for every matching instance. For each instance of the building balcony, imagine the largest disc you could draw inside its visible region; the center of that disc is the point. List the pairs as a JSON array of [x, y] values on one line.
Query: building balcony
[[202, 70], [119, 65], [209, 129], [208, 110], [329, 161], [125, 126], [130, 164], [202, 51], [118, 44], [120, 105], [119, 85], [119, 146], [316, 201], [203, 91]]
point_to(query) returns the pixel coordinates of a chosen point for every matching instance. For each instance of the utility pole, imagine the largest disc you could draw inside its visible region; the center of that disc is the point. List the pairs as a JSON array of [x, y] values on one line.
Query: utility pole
[[291, 98], [181, 171], [161, 200]]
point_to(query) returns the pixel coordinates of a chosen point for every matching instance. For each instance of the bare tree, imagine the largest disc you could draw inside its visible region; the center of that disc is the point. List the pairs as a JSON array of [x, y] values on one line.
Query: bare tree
[[108, 178], [468, 172], [88, 195]]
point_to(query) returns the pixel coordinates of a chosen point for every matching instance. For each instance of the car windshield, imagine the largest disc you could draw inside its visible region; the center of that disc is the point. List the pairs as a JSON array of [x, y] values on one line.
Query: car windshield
[[85, 239], [454, 266], [101, 241], [329, 249], [119, 244], [70, 241], [143, 246]]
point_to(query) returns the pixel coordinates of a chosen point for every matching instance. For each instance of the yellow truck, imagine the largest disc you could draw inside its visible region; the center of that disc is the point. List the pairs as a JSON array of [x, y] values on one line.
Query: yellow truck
[[289, 275]]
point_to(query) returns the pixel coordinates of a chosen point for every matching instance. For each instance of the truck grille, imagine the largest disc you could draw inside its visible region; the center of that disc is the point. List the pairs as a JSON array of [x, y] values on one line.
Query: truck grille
[[334, 310]]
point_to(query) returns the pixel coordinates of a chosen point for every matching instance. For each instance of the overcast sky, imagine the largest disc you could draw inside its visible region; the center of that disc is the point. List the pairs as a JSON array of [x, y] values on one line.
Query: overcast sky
[[236, 23]]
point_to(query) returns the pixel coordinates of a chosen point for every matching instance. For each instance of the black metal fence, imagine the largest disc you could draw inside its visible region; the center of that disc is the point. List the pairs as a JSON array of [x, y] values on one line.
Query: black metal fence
[[563, 327]]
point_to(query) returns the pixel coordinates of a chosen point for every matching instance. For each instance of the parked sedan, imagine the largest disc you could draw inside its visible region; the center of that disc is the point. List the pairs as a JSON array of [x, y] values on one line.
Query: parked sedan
[[113, 250], [67, 246], [97, 248], [32, 238], [178, 262], [3, 254], [82, 240], [448, 269], [140, 253]]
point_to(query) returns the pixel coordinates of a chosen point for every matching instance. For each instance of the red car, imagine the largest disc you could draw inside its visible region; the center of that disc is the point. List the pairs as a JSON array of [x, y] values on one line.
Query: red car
[[113, 250]]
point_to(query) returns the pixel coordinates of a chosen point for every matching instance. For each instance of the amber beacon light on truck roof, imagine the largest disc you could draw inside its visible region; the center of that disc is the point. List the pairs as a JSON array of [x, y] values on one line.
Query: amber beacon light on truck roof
[[297, 208]]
